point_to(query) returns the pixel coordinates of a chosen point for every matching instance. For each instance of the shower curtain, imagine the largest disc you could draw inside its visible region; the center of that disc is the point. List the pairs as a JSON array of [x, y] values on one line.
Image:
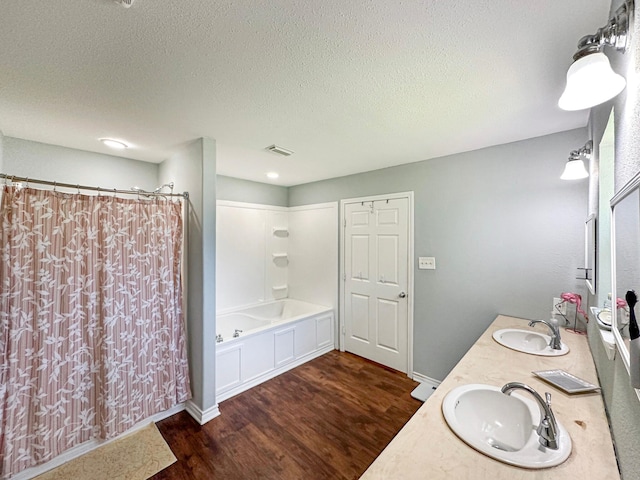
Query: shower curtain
[[92, 335]]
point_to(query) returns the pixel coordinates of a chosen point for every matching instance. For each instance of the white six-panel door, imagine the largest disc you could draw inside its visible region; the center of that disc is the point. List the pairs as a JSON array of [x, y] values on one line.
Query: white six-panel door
[[376, 280]]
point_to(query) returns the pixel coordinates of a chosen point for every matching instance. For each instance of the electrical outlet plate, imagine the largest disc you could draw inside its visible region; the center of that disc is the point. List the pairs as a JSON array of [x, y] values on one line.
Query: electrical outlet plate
[[559, 306], [427, 263]]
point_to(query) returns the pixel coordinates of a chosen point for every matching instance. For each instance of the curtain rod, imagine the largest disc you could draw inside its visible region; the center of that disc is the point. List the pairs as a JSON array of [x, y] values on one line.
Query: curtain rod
[[27, 180]]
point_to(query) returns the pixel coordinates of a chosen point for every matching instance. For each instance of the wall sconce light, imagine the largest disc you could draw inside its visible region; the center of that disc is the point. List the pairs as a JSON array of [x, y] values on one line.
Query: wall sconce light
[[590, 79], [574, 169]]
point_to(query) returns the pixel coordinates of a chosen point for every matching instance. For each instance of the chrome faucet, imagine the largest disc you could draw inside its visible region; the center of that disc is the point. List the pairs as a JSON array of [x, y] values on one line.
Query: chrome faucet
[[548, 428], [237, 333], [555, 333], [219, 338]]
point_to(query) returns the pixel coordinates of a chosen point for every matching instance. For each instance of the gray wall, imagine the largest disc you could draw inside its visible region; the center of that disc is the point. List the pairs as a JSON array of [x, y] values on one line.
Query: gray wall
[[620, 399], [62, 164], [506, 232], [237, 190], [193, 170]]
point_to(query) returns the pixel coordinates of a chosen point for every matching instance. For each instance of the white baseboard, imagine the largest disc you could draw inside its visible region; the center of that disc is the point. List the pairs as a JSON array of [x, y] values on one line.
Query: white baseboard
[[90, 445], [202, 416], [418, 377], [167, 413]]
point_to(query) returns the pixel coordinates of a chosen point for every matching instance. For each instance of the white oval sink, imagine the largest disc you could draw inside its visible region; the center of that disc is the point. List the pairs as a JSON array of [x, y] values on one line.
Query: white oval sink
[[528, 341], [502, 426]]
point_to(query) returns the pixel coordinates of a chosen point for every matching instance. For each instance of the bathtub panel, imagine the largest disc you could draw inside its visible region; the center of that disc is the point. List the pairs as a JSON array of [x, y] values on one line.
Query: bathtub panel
[[324, 331], [305, 337], [257, 357], [284, 347], [276, 345], [228, 374]]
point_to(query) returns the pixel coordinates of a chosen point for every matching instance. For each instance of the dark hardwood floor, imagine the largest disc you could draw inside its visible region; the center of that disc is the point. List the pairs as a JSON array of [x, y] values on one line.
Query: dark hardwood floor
[[327, 419]]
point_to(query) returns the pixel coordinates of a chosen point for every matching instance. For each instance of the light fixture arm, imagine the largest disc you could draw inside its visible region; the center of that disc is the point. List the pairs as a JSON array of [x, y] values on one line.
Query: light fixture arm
[[614, 34], [582, 151]]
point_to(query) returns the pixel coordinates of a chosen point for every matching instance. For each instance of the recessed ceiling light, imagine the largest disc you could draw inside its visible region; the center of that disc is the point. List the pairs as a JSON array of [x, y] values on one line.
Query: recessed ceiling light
[[114, 143], [273, 175]]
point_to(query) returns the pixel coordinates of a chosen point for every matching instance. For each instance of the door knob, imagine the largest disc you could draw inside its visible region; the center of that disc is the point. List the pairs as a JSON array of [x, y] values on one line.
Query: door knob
[[402, 294]]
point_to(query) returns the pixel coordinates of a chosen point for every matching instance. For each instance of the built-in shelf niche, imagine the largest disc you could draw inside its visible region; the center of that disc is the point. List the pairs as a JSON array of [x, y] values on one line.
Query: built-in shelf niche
[[280, 291]]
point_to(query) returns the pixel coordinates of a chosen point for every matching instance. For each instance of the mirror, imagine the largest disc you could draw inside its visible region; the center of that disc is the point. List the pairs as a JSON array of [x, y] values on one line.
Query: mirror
[[590, 253], [626, 259], [606, 191]]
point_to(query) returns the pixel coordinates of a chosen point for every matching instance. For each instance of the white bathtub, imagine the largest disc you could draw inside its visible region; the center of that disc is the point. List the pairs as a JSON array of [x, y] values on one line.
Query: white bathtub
[[249, 320], [272, 338]]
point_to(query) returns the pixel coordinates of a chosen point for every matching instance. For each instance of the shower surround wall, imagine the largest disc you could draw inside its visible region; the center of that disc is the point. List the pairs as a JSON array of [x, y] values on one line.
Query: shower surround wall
[[252, 254], [267, 253]]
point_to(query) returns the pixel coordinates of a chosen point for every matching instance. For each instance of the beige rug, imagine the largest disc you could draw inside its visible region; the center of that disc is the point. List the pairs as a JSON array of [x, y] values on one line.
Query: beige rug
[[136, 456]]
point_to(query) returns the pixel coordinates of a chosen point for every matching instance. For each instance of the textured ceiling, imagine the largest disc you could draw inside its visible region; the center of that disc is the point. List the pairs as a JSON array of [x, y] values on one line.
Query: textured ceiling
[[350, 86]]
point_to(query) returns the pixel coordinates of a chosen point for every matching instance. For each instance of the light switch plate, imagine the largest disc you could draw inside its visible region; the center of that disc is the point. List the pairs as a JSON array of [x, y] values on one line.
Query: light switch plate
[[427, 263]]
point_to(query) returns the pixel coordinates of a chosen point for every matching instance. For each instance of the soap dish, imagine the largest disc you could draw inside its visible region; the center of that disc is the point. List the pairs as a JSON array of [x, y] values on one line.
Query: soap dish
[[566, 382]]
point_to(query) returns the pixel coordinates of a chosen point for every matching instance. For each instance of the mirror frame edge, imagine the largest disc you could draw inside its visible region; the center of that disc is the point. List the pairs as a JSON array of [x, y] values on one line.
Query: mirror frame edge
[[631, 186]]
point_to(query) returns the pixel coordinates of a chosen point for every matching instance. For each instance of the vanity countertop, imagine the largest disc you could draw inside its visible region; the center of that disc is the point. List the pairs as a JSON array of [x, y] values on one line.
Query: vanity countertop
[[427, 448]]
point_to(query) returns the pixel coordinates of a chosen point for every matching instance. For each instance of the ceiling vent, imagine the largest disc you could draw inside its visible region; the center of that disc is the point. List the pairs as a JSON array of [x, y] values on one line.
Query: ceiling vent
[[279, 150], [125, 3]]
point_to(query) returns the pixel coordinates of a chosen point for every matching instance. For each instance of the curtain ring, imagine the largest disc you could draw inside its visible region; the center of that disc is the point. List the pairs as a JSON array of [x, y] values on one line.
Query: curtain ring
[[78, 188], [26, 183], [55, 185], [99, 190], [114, 192]]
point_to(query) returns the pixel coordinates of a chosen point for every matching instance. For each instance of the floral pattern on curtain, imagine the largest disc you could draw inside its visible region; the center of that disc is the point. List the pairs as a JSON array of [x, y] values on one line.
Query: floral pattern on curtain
[[92, 336]]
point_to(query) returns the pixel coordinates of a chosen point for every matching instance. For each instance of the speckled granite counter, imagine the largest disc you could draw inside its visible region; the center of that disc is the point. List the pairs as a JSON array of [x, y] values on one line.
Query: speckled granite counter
[[427, 448]]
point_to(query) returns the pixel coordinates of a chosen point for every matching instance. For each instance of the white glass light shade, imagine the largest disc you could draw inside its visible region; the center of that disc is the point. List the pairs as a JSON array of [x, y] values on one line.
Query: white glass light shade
[[590, 81], [574, 170]]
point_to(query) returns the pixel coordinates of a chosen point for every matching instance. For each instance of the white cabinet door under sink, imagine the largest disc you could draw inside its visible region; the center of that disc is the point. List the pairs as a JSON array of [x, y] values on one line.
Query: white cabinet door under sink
[[376, 282]]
